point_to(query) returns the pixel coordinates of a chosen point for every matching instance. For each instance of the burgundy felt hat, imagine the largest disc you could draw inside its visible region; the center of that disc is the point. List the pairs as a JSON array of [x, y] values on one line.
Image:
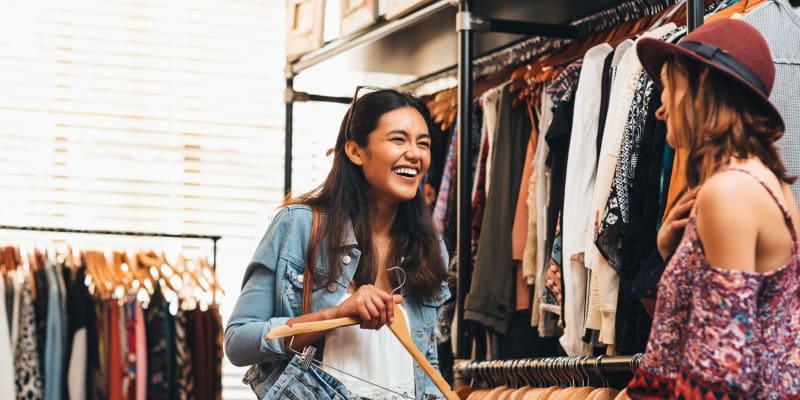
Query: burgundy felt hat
[[730, 46]]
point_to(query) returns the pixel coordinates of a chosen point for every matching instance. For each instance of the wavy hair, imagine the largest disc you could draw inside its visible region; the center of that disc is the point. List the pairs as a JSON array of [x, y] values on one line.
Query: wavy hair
[[347, 196], [717, 119]]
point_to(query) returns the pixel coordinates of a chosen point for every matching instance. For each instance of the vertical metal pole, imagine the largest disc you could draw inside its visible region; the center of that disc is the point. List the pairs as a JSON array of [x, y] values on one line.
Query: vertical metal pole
[[215, 253], [464, 204], [694, 14], [214, 268], [287, 164]]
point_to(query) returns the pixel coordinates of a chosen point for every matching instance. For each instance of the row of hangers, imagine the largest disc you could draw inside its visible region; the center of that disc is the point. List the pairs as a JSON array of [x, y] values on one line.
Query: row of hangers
[[494, 69], [553, 378], [122, 276], [614, 25]]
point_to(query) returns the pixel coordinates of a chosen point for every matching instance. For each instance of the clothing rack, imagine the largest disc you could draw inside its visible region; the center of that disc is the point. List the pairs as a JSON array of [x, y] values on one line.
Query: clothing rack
[[544, 37], [213, 238], [521, 372], [467, 24]]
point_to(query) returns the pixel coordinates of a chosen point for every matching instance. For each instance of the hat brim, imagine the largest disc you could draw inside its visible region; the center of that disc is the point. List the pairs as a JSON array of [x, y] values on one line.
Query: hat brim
[[653, 53]]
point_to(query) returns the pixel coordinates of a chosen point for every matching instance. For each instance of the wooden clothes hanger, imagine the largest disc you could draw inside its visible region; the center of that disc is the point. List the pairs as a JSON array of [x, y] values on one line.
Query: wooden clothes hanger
[[399, 328]]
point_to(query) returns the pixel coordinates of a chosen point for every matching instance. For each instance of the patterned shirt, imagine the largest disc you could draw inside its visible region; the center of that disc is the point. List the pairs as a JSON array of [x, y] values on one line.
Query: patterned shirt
[[723, 334]]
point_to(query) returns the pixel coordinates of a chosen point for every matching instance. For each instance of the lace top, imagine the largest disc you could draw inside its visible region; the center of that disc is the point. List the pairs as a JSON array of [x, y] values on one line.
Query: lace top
[[723, 333]]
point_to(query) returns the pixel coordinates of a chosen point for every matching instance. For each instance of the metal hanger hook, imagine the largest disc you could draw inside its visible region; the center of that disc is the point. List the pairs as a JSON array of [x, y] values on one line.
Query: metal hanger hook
[[399, 268]]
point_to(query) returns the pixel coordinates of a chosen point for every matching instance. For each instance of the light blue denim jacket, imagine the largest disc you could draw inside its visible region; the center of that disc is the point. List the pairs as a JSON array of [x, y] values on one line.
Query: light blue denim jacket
[[272, 293]]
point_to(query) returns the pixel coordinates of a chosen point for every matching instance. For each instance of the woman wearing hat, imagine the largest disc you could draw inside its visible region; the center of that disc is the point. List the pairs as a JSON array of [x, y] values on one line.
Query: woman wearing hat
[[727, 320]]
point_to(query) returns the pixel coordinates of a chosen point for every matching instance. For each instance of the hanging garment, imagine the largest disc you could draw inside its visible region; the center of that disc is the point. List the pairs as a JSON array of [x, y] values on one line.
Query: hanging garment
[[519, 228], [490, 102], [548, 326], [440, 209], [578, 189], [723, 333], [141, 354], [183, 358], [158, 338], [7, 386], [639, 239], [603, 315], [40, 305], [490, 300], [364, 353], [54, 367], [26, 358], [562, 90], [79, 309]]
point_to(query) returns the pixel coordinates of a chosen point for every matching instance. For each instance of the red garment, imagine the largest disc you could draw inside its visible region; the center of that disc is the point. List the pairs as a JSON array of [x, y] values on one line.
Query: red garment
[[723, 334]]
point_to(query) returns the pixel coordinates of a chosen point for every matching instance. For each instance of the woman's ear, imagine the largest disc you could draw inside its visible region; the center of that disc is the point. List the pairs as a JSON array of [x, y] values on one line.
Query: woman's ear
[[354, 152]]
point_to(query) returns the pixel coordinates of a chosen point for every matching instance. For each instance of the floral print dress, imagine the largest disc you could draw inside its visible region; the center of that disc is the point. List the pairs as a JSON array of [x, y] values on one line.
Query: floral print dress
[[723, 334]]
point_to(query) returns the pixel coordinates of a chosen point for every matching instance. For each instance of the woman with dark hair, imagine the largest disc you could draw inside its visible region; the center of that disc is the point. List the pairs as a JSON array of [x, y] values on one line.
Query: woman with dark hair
[[727, 318], [373, 219]]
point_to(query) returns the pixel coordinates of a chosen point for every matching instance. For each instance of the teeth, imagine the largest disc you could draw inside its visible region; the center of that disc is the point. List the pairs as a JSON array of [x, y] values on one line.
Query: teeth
[[406, 171]]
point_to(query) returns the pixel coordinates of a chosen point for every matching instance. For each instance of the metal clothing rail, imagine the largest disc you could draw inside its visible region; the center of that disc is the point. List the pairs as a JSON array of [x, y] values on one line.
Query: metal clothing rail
[[542, 370], [213, 238]]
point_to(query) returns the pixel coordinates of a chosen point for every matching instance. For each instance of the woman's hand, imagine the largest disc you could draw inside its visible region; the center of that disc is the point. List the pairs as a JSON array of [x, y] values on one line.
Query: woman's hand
[[671, 231], [373, 306]]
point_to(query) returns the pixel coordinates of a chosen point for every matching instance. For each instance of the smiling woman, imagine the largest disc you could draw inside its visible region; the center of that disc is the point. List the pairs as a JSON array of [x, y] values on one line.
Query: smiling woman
[[373, 217]]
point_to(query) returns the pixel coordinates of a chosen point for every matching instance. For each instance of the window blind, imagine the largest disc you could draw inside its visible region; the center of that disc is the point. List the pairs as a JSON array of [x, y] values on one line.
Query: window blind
[[147, 116]]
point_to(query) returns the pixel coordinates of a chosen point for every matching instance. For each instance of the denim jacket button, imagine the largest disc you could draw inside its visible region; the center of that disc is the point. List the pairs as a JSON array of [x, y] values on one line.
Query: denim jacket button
[[346, 259], [300, 279], [331, 287]]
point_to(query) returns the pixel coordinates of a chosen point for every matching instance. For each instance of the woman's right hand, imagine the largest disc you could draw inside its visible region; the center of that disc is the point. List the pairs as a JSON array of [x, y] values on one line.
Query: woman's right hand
[[672, 227], [373, 306]]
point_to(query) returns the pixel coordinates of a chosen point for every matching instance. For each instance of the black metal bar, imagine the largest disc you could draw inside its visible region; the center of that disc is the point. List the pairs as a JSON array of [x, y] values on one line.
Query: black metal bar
[[532, 28], [215, 253], [117, 233], [326, 99], [215, 238], [385, 29], [603, 364], [287, 155], [694, 14], [108, 232], [463, 251]]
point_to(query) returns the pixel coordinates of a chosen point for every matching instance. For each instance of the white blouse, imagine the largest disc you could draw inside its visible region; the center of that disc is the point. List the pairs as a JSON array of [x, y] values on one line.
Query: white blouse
[[374, 356]]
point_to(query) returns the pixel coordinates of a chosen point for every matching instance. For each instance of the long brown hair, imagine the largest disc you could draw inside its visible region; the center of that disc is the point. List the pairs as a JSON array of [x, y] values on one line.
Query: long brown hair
[[717, 119], [347, 197]]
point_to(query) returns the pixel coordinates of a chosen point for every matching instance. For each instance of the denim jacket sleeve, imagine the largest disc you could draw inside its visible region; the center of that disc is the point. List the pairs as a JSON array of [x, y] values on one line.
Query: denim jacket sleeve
[[259, 308], [432, 353]]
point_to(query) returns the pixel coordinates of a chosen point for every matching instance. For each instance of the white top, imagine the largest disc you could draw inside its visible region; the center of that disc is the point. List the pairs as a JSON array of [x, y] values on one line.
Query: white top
[[622, 94], [374, 356], [576, 217]]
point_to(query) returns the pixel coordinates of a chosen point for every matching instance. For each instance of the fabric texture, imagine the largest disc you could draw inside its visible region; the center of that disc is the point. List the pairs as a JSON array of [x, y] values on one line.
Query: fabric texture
[[296, 383], [724, 332], [578, 190]]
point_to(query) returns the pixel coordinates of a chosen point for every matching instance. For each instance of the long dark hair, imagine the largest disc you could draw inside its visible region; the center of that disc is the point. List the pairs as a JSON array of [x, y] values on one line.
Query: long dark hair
[[718, 120], [346, 195]]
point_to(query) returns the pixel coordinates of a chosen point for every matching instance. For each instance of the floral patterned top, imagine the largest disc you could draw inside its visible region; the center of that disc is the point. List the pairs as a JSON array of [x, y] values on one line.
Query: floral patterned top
[[723, 334]]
